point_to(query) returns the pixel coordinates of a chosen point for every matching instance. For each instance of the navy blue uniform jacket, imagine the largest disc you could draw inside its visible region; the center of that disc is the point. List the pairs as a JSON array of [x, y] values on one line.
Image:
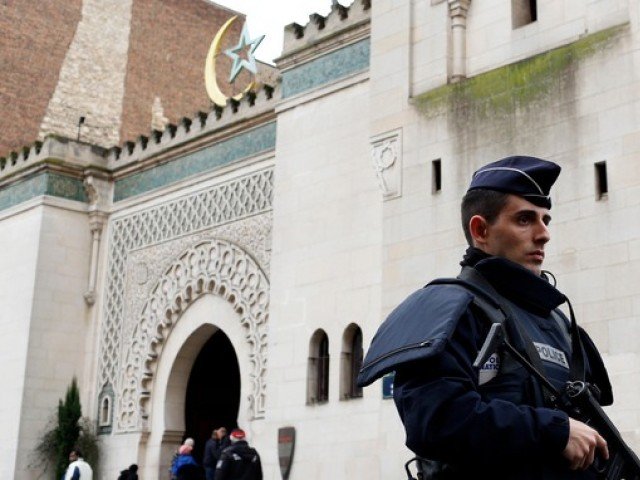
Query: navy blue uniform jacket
[[500, 428]]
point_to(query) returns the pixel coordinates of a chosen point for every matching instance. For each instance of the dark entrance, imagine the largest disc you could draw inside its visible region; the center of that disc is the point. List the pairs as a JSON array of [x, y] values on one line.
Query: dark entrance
[[213, 391]]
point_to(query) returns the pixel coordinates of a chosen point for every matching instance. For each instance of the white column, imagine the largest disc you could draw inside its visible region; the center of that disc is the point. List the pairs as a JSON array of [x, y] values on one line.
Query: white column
[[458, 11], [96, 222]]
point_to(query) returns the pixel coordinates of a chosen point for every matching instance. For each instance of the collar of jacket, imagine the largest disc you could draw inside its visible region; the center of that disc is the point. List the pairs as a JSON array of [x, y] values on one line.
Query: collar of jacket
[[514, 282]]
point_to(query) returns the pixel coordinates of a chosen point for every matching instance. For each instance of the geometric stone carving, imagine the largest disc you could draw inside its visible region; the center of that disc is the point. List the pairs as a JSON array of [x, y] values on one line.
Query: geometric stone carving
[[215, 266], [386, 156], [217, 206]]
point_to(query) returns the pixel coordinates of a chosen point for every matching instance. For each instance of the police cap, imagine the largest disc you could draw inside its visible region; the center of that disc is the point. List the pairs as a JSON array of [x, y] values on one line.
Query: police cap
[[527, 177]]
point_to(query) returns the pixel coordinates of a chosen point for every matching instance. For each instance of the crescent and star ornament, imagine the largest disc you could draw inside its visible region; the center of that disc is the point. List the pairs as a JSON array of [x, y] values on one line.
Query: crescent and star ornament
[[210, 79], [235, 54]]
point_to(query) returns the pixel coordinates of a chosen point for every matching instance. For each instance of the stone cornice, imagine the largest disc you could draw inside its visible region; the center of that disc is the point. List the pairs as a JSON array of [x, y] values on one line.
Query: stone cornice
[[205, 127], [54, 153], [155, 155]]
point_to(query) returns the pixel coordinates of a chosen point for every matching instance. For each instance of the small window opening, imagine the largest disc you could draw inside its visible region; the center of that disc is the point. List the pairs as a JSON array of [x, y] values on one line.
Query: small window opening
[[602, 185], [523, 12], [318, 369], [323, 370], [105, 411], [436, 176], [352, 355]]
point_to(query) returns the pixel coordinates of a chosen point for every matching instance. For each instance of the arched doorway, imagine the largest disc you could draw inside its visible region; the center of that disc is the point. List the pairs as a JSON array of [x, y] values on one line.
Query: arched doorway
[[210, 333], [213, 391]]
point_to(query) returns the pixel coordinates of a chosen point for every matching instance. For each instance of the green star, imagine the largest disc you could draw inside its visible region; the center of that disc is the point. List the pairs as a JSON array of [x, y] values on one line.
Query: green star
[[234, 54]]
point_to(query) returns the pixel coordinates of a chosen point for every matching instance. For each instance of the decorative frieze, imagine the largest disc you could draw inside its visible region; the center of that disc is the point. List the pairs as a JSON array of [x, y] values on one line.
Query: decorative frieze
[[243, 145], [326, 69], [46, 183]]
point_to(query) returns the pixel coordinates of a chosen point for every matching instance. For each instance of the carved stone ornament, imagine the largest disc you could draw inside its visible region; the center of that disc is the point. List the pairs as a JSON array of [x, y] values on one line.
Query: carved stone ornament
[[386, 157], [238, 210], [218, 267]]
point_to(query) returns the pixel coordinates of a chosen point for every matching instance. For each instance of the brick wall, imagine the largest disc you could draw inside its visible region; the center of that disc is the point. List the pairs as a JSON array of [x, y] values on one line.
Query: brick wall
[[113, 62], [167, 50], [35, 39]]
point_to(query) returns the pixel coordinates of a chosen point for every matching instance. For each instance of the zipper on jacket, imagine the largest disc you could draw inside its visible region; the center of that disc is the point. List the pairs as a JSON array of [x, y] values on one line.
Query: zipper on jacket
[[425, 343]]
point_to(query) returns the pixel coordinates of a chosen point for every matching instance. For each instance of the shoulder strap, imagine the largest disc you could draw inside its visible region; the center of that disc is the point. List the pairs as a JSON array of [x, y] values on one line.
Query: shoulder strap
[[483, 300], [499, 311], [563, 326], [577, 358]]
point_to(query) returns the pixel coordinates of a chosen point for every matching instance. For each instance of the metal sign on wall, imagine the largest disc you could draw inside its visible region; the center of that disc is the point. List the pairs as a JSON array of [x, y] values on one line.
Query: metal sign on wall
[[286, 446], [242, 56]]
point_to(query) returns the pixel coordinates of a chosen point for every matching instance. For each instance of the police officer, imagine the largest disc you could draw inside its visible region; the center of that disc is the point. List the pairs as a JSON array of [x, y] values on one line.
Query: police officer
[[239, 461], [497, 421]]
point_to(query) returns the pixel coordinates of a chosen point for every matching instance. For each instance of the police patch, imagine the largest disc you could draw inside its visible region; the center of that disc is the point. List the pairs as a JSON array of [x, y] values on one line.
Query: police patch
[[489, 370], [551, 354]]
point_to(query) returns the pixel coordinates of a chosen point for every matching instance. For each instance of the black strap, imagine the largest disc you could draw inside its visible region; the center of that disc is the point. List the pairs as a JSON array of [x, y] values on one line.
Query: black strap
[[577, 357], [532, 354], [496, 308], [499, 311], [481, 298]]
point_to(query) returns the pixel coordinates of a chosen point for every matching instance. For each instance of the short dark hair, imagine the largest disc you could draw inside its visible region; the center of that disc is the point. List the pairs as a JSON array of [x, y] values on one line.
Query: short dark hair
[[486, 203], [77, 451]]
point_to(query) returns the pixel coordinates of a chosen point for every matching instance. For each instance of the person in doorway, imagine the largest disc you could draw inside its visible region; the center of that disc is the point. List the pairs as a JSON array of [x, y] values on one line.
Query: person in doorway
[[498, 421], [184, 466], [212, 449], [239, 461], [78, 469]]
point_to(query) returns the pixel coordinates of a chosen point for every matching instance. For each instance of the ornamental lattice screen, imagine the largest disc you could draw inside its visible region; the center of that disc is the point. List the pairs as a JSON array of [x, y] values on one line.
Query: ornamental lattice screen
[[215, 207]]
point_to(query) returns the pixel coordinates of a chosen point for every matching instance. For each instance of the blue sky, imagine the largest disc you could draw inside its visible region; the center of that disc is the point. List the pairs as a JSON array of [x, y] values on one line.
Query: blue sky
[[268, 17]]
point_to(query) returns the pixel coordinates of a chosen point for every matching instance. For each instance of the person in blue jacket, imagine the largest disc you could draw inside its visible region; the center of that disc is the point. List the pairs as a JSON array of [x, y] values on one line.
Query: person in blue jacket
[[496, 421], [184, 466]]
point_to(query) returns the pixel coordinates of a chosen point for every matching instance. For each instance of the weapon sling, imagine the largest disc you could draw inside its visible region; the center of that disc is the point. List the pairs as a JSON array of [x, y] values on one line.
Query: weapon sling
[[578, 399]]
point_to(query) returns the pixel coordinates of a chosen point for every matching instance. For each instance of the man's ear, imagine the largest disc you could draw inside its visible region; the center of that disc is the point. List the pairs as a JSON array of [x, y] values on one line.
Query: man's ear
[[478, 230]]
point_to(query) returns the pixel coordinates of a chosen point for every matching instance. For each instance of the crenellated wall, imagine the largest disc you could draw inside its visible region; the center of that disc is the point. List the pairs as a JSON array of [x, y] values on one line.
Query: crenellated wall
[[29, 172], [324, 33], [249, 110]]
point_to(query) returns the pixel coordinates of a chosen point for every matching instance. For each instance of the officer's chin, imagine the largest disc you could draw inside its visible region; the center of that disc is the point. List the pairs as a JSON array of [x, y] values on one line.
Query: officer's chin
[[533, 267]]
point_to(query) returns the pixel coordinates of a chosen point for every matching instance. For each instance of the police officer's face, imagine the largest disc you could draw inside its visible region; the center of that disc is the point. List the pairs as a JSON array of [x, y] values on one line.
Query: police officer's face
[[519, 234]]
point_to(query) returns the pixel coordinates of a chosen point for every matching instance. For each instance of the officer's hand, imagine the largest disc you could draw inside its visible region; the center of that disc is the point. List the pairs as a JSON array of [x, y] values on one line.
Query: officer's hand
[[583, 444]]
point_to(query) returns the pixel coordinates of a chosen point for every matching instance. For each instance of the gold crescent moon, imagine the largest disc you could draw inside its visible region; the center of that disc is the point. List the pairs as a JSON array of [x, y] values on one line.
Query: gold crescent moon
[[210, 80]]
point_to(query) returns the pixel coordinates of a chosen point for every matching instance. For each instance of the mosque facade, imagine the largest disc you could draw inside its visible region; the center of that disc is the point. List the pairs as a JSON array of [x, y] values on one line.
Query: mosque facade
[[229, 267]]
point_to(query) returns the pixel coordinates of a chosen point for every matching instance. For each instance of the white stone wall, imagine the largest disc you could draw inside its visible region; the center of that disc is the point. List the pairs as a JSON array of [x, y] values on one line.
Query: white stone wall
[[44, 329], [19, 239], [492, 41], [58, 325], [325, 275]]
